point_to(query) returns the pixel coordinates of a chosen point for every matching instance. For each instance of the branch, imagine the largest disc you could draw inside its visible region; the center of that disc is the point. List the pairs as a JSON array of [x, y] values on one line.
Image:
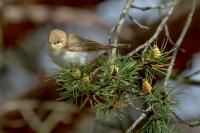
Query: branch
[[193, 74], [158, 30], [185, 122], [179, 41], [168, 35], [133, 106], [170, 39], [119, 25], [32, 104], [139, 119], [52, 120], [32, 119], [26, 109], [138, 23], [161, 6], [186, 80]]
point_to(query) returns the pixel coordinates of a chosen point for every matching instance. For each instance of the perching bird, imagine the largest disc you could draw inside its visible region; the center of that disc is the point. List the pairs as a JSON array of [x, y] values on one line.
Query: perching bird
[[67, 48]]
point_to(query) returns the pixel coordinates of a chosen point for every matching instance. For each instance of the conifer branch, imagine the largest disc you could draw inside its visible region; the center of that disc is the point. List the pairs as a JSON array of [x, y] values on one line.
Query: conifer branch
[[157, 32], [119, 25], [195, 124], [192, 74], [138, 120], [179, 41], [138, 23], [160, 6]]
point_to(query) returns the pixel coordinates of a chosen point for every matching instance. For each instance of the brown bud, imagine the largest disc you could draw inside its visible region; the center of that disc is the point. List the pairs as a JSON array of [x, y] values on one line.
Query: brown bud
[[156, 52], [146, 86]]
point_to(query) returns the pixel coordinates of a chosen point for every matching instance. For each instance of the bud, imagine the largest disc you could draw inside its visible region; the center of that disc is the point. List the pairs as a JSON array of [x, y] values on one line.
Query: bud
[[146, 86], [86, 78], [76, 73], [156, 52], [114, 68]]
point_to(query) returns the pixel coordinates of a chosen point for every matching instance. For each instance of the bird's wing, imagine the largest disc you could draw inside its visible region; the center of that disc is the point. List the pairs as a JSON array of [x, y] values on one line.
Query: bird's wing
[[87, 45]]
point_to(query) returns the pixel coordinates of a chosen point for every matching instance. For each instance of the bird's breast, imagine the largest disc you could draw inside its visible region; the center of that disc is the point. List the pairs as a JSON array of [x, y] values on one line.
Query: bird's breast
[[70, 57]]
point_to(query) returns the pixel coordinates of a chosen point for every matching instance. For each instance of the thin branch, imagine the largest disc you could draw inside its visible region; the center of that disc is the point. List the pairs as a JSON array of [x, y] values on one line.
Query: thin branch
[[52, 120], [26, 108], [122, 19], [193, 74], [32, 104], [109, 35], [133, 106], [179, 41], [138, 23], [167, 34], [139, 119], [161, 6], [158, 30], [93, 74], [185, 122], [96, 100], [186, 80], [119, 25], [32, 119]]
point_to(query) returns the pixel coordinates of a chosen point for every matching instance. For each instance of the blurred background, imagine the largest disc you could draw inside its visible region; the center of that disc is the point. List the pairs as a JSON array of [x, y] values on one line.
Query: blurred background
[[26, 71]]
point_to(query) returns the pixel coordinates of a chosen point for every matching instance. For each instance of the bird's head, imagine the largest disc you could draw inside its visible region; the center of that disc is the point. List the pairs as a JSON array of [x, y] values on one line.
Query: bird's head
[[57, 39]]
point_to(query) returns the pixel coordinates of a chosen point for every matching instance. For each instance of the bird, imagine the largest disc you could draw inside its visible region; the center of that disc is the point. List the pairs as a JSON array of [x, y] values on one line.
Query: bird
[[68, 48]]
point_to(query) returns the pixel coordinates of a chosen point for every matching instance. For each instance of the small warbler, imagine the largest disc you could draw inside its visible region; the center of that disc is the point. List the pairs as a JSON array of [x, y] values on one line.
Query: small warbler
[[68, 48]]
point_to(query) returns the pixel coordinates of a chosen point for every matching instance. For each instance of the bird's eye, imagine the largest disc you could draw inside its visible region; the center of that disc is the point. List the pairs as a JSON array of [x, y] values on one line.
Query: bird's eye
[[58, 42]]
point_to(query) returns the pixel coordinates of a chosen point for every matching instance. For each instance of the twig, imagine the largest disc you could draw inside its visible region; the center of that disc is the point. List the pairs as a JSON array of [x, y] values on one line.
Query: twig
[[168, 35], [26, 108], [185, 122], [186, 80], [139, 119], [138, 23], [158, 30], [133, 106], [193, 74], [96, 100], [109, 34], [161, 6], [170, 39], [179, 42], [32, 119], [95, 72], [52, 120], [26, 104], [119, 25]]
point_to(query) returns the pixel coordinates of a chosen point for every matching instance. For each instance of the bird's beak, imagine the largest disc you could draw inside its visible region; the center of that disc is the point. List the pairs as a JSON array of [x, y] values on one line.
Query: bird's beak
[[50, 42]]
